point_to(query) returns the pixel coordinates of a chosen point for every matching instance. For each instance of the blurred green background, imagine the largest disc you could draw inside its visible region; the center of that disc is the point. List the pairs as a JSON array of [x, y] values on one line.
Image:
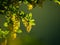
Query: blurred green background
[[47, 28]]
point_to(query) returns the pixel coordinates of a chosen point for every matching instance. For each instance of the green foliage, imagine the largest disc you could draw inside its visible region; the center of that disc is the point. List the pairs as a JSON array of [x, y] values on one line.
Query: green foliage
[[10, 8], [14, 5], [19, 31], [57, 1], [3, 34]]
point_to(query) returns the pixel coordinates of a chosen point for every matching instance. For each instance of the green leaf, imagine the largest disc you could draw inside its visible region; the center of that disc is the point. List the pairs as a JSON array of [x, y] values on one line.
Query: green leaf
[[22, 13], [5, 24], [32, 20], [33, 24], [19, 31], [30, 15], [57, 1], [25, 2], [20, 2], [6, 32]]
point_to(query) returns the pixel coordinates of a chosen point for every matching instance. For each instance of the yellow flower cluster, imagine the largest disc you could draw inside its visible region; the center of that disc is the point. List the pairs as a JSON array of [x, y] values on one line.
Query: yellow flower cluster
[[13, 17], [30, 6], [27, 25], [13, 35], [16, 25], [28, 22]]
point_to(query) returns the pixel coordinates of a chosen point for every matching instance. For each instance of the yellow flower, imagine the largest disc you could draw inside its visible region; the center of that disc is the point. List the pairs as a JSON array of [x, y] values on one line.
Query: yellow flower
[[13, 35], [30, 6], [16, 27], [14, 30], [13, 18], [18, 23], [29, 27], [25, 22]]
